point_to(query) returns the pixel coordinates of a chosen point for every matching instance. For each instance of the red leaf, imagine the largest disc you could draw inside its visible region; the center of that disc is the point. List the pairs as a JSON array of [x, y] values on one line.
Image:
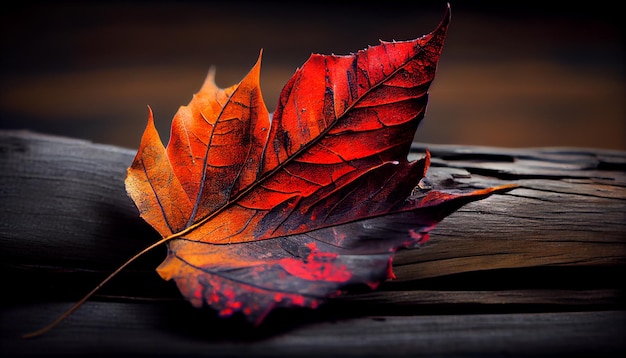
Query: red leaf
[[262, 213]]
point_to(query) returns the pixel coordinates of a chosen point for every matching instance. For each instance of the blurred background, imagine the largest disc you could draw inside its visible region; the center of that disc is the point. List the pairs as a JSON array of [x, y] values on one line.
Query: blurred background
[[512, 73]]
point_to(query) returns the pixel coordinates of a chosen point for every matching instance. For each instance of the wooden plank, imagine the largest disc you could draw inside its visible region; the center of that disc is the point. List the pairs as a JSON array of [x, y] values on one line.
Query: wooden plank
[[66, 196], [166, 329], [567, 211], [533, 270]]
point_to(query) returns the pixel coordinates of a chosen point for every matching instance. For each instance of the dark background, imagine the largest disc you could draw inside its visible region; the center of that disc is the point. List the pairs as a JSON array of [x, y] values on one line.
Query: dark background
[[512, 73]]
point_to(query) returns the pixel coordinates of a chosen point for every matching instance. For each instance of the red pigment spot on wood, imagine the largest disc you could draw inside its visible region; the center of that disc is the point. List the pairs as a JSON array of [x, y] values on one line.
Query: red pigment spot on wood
[[318, 266]]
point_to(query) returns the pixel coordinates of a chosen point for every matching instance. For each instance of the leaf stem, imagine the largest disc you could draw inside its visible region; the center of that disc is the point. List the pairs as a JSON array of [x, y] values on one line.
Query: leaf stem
[[66, 314]]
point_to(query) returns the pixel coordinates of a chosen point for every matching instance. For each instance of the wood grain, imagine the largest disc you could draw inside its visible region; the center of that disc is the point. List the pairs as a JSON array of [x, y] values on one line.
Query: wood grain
[[536, 270]]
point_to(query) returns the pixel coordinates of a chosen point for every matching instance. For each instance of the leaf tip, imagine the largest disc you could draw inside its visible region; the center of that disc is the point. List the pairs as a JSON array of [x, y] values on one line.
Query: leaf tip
[[209, 81], [442, 28], [426, 160], [257, 65], [150, 115], [150, 127], [448, 13]]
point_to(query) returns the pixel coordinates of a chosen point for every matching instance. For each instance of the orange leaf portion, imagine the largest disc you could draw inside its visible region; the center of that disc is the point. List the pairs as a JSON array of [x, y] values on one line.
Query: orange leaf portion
[[217, 140], [154, 186]]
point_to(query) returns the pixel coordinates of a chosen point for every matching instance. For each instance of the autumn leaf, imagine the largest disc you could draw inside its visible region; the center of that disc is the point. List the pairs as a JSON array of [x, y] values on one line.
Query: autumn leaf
[[262, 211]]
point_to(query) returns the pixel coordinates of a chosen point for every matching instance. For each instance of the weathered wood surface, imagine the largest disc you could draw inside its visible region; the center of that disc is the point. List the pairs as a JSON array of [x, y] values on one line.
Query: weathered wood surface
[[538, 269]]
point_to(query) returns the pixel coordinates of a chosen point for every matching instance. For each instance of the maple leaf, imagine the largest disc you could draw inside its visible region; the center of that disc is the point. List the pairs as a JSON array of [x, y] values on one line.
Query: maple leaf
[[262, 211], [288, 211]]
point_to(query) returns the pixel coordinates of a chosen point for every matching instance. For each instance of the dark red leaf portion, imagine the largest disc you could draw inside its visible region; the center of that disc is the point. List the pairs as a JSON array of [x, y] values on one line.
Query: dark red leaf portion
[[307, 269]]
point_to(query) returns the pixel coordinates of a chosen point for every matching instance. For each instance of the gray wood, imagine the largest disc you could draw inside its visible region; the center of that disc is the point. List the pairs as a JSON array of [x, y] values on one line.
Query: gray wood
[[154, 329], [535, 270]]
